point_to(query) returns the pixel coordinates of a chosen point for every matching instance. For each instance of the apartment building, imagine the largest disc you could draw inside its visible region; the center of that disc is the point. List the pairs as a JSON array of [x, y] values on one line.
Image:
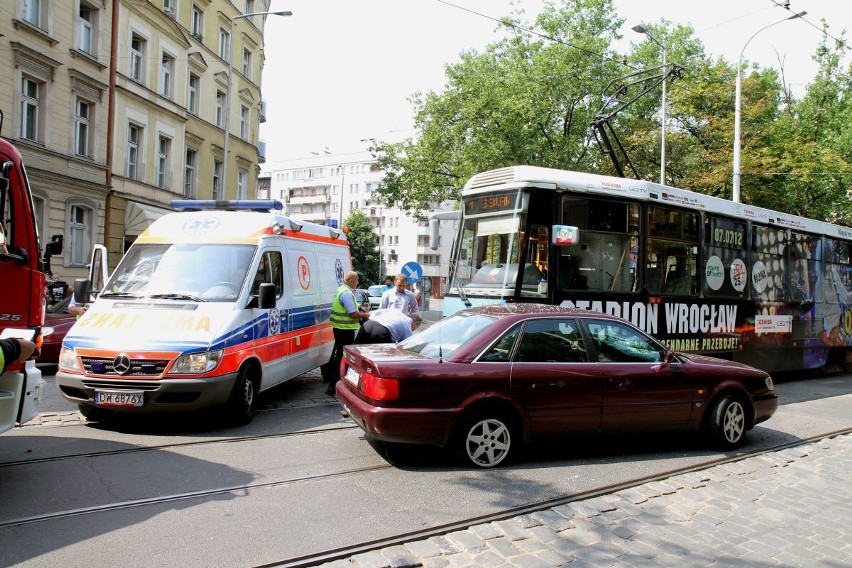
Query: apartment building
[[325, 187], [115, 126]]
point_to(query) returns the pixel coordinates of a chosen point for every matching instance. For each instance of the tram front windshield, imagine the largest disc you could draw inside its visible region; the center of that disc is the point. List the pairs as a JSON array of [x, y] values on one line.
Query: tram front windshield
[[486, 258]]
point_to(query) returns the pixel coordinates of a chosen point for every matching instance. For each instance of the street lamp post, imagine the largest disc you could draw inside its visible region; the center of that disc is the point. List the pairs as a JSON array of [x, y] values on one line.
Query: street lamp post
[[342, 180], [228, 90], [642, 30], [738, 105]]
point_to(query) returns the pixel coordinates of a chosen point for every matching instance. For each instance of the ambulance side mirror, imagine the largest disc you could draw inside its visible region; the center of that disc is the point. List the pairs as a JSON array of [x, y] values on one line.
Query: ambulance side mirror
[[266, 296]]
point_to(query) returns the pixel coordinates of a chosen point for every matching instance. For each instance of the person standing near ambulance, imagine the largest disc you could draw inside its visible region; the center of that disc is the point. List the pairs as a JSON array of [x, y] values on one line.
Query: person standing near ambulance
[[346, 318], [399, 298]]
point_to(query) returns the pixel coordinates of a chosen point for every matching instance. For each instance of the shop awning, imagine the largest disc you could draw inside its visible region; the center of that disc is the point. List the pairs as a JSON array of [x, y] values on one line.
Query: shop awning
[[138, 216]]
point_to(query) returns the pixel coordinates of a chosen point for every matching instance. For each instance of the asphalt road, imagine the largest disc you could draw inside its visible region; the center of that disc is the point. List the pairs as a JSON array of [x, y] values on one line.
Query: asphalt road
[[304, 481]]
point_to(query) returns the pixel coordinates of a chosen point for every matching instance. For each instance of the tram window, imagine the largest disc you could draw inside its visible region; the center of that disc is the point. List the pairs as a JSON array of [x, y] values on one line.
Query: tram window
[[805, 270], [769, 263], [672, 252], [606, 256], [725, 272], [832, 290]]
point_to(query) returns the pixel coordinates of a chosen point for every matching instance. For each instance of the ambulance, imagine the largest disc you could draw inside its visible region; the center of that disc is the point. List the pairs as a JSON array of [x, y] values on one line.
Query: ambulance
[[210, 306]]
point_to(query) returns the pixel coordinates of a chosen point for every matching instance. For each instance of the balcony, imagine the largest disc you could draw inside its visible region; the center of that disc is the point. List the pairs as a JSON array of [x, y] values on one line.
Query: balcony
[[262, 111], [261, 151]]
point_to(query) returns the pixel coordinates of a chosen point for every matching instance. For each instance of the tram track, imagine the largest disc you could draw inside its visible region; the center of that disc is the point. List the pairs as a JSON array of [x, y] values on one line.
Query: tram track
[[422, 534], [140, 449]]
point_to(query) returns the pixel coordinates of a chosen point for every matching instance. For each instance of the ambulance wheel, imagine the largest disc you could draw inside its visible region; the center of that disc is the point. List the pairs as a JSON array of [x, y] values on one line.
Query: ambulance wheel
[[241, 404]]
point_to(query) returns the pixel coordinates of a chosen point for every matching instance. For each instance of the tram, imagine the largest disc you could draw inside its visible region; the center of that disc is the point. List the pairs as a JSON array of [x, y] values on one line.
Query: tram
[[701, 274]]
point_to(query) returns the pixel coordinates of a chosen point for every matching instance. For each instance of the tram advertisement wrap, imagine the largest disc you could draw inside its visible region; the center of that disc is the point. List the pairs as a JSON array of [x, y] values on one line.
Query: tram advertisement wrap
[[681, 326]]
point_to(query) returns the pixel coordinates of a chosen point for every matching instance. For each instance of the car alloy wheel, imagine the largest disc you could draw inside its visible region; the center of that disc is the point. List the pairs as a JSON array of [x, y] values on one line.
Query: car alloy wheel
[[728, 422], [488, 442]]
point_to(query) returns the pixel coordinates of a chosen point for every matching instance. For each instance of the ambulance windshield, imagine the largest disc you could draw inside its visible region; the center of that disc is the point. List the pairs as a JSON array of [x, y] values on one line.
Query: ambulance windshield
[[203, 272]]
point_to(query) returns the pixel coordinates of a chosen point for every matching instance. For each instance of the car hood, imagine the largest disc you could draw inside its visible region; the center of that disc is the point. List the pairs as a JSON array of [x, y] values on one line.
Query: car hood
[[716, 362]]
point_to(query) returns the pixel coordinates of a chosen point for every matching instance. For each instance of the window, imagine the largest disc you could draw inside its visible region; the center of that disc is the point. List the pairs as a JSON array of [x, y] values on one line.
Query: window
[[725, 271], [197, 22], [551, 341], [616, 342], [134, 137], [137, 58], [167, 69], [163, 152], [220, 109], [31, 94], [606, 256], [190, 173], [244, 122], [769, 265], [224, 44], [217, 179], [271, 270], [242, 184], [192, 93], [170, 6], [32, 12], [249, 7], [672, 251], [247, 63], [83, 129], [80, 222], [86, 29]]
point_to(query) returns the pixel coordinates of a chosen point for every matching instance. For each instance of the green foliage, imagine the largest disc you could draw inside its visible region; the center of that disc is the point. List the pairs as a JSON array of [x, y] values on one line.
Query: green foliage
[[529, 98], [363, 247]]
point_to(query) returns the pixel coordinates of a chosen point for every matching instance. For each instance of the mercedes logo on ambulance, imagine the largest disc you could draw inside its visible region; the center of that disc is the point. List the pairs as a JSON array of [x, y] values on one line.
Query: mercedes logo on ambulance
[[121, 364]]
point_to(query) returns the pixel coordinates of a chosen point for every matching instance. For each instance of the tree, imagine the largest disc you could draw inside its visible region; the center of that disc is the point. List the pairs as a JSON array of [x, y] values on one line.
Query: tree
[[363, 248], [529, 99]]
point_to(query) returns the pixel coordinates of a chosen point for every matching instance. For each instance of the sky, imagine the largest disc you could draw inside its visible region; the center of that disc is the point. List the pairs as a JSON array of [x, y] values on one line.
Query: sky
[[339, 71]]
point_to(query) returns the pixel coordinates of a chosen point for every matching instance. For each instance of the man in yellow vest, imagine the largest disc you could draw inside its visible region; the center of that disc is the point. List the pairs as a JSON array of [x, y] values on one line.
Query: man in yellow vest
[[345, 320]]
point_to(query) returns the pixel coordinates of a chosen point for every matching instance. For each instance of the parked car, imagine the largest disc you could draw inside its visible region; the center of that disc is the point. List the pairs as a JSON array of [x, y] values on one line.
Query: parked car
[[375, 294], [488, 378], [362, 298], [57, 318]]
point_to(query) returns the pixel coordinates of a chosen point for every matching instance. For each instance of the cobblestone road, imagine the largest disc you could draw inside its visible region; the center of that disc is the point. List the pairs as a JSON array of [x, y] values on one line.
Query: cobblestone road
[[786, 508]]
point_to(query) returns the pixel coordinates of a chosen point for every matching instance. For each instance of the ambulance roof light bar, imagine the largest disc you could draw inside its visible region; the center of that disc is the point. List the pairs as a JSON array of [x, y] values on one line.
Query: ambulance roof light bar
[[259, 205]]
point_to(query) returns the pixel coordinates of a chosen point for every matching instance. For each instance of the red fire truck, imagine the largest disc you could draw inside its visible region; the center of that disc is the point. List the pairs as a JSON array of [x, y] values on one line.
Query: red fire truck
[[22, 287]]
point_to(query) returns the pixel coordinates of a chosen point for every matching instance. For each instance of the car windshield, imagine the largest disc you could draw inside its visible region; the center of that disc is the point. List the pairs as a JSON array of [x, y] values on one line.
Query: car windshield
[[376, 290], [202, 272], [445, 337]]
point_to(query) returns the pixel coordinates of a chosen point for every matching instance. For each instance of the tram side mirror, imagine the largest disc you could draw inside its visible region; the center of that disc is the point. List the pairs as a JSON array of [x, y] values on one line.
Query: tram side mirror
[[266, 299], [565, 235]]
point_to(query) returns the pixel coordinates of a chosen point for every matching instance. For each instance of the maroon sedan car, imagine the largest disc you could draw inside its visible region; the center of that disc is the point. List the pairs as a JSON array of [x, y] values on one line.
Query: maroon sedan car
[[57, 318], [488, 378]]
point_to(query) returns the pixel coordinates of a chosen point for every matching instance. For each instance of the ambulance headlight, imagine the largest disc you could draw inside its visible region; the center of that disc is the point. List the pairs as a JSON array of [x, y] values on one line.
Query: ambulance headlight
[[196, 362], [68, 359]]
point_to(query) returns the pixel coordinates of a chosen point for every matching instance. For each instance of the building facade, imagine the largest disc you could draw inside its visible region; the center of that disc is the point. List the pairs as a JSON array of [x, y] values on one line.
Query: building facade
[[113, 126], [325, 187]]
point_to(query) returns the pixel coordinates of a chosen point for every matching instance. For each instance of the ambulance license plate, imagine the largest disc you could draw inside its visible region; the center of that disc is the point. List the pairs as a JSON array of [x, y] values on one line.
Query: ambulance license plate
[[118, 398], [352, 376]]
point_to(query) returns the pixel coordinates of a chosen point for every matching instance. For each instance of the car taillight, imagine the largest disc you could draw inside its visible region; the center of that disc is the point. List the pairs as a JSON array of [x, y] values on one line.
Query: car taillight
[[378, 388]]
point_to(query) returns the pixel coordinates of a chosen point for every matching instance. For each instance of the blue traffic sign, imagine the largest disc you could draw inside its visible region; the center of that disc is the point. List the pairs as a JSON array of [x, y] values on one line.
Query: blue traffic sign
[[413, 271]]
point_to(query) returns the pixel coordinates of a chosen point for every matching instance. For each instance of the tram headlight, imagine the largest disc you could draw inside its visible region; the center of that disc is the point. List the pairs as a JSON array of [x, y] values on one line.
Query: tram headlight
[[68, 359], [196, 363]]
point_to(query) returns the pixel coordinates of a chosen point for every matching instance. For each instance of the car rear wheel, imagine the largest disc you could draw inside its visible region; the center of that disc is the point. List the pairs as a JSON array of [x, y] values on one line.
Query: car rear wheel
[[240, 408], [727, 426], [487, 440]]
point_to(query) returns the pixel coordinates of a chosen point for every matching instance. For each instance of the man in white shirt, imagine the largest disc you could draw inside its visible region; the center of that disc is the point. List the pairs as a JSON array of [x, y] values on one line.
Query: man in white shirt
[[399, 298], [387, 326]]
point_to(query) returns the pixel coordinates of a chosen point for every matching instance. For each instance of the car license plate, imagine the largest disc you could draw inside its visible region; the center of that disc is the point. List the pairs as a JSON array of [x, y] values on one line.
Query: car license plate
[[352, 376], [118, 398]]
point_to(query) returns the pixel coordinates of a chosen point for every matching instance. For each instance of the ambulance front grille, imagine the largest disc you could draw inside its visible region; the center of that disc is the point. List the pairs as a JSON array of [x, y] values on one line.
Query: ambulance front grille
[[138, 367]]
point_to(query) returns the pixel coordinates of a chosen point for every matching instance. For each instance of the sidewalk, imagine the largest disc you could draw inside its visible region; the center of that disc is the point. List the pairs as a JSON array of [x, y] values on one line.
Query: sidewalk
[[787, 508]]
